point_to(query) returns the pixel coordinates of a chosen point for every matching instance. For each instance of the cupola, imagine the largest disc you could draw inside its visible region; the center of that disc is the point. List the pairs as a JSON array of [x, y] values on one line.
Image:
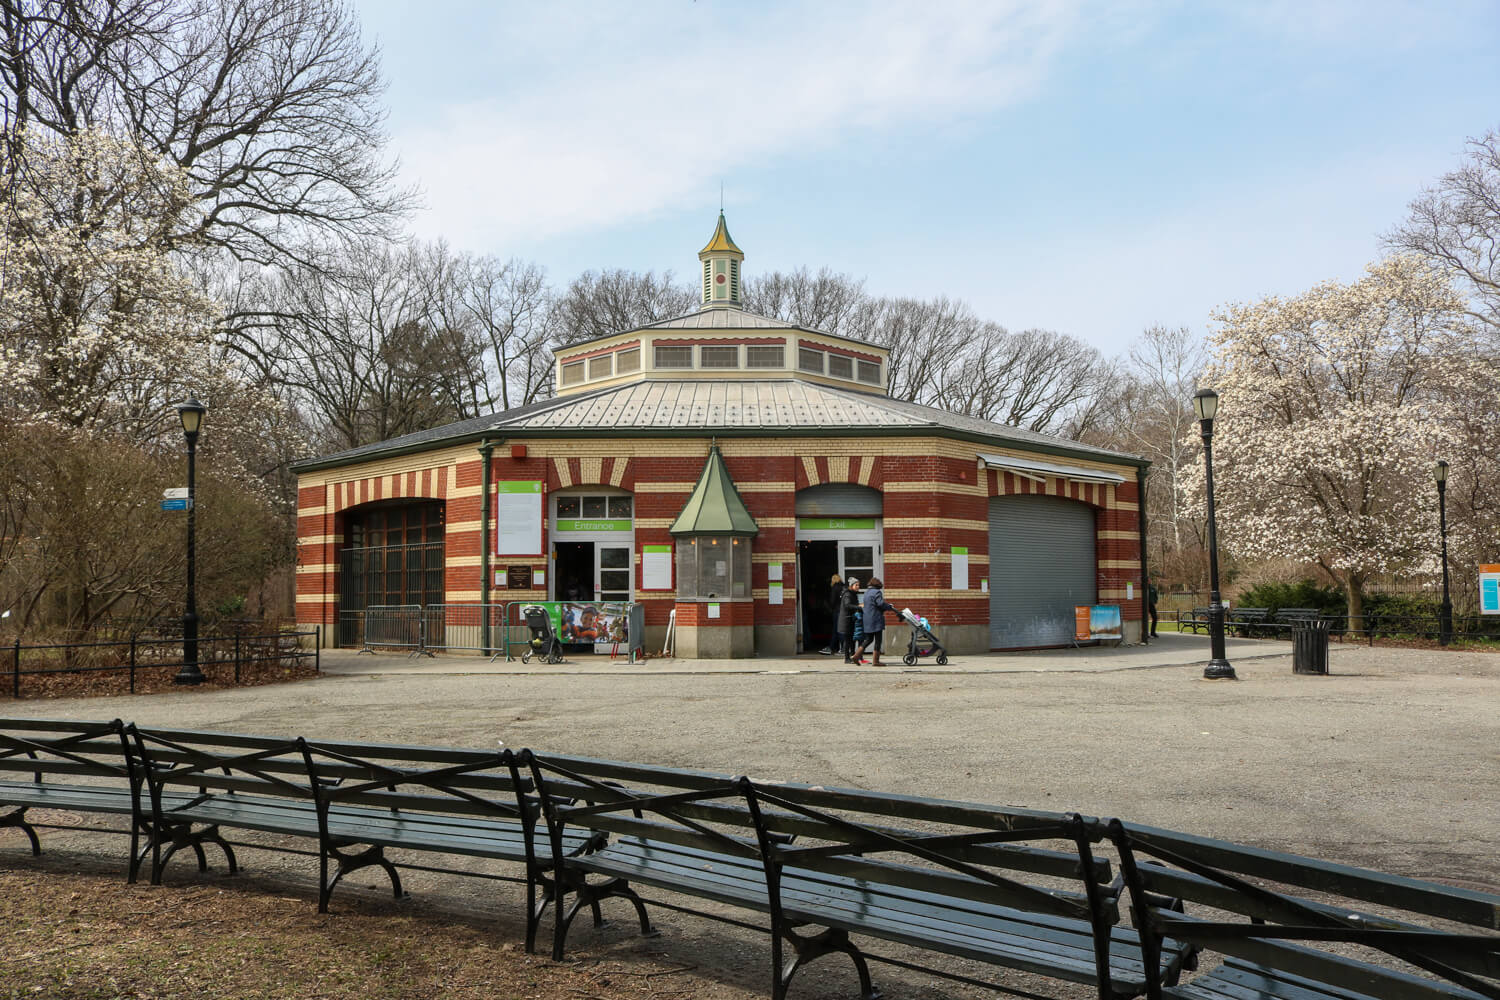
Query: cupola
[[721, 268]]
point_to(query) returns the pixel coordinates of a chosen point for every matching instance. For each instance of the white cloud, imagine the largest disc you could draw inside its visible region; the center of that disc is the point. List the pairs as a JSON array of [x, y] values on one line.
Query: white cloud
[[645, 111]]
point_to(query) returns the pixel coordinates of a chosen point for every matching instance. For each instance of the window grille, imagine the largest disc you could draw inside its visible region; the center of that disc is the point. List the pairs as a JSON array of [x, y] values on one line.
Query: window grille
[[572, 373], [809, 360], [674, 356], [719, 357], [765, 357]]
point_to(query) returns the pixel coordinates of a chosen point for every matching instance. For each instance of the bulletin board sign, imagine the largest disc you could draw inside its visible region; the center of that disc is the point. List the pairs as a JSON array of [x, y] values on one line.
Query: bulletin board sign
[[1489, 589], [518, 518], [1097, 621]]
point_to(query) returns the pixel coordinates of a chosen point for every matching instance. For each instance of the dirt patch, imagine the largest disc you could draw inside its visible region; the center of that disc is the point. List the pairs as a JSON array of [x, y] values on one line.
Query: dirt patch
[[149, 680], [82, 936]]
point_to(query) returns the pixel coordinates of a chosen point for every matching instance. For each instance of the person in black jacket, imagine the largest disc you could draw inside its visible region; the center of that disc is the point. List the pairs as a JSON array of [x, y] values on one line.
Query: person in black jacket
[[848, 620], [835, 603], [874, 620]]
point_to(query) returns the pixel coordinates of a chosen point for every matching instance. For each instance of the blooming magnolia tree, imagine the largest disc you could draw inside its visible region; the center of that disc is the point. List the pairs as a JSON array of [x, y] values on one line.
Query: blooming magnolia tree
[[101, 331], [1333, 406]]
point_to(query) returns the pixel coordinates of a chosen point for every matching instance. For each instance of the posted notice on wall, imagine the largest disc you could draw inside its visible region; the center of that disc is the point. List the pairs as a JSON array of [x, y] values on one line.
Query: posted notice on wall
[[960, 567], [774, 593], [713, 611], [656, 567], [518, 518]]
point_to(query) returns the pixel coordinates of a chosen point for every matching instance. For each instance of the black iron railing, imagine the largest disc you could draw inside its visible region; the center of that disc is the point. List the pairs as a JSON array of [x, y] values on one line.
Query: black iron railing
[[219, 656]]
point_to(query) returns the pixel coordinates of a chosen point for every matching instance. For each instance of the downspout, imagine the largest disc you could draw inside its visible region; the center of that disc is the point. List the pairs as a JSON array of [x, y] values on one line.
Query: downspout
[[1140, 509], [486, 453]]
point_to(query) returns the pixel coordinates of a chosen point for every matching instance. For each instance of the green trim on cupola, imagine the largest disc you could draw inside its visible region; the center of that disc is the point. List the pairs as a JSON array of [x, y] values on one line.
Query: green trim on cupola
[[715, 507]]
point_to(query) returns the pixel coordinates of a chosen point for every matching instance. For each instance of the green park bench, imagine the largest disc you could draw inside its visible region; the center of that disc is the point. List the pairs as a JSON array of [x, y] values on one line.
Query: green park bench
[[977, 882], [1296, 928]]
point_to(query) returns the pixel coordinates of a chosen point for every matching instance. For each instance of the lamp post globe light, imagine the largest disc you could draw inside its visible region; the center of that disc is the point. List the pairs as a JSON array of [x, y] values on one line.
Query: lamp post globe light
[[1206, 404], [1445, 612], [191, 414]]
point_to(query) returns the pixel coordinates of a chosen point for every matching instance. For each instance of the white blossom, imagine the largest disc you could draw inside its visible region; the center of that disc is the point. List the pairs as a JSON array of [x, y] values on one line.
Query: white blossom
[[1333, 407]]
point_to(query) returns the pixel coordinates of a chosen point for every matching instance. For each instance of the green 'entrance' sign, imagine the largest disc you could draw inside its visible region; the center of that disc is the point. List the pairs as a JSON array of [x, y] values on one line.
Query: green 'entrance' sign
[[836, 523], [577, 525]]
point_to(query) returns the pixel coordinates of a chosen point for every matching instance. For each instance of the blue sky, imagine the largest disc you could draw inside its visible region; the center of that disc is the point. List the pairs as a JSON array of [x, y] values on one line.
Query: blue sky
[[1085, 167]]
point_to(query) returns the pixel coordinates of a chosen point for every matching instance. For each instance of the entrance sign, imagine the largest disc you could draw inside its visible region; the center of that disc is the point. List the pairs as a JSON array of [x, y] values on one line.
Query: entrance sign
[[518, 518], [1489, 589], [656, 567], [179, 503], [578, 525]]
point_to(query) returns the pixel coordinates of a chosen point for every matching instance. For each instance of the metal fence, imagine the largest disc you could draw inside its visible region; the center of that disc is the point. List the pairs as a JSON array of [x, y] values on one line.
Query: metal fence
[[395, 626], [218, 655]]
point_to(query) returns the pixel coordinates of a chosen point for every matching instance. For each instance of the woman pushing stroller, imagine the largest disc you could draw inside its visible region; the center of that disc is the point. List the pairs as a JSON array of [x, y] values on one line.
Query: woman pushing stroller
[[874, 608]]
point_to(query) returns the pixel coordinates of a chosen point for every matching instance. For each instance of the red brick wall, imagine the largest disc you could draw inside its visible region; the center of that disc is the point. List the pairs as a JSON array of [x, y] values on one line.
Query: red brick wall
[[921, 525]]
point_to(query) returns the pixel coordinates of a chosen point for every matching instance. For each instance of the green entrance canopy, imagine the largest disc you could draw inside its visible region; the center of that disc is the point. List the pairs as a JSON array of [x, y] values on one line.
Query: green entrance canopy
[[715, 508]]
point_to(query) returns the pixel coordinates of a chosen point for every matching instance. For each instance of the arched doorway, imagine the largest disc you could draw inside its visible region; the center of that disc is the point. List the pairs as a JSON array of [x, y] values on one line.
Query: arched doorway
[[393, 554]]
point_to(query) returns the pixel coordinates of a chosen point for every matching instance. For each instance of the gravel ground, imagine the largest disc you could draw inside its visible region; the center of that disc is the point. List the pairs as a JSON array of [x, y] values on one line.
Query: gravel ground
[[1390, 762]]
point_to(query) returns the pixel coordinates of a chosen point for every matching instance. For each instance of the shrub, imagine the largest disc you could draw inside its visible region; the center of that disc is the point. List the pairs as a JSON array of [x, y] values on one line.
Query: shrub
[[1302, 594]]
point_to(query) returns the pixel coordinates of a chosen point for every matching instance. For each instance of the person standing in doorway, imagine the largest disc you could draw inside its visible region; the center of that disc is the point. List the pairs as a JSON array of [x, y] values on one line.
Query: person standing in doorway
[[874, 620], [835, 605]]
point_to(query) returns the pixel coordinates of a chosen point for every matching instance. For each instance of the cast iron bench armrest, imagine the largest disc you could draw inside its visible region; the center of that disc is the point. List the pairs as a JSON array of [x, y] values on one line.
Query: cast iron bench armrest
[[1285, 924]]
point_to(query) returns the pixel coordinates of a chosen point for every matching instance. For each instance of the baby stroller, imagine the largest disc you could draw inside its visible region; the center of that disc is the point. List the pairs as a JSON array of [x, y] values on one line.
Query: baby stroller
[[923, 642], [543, 641]]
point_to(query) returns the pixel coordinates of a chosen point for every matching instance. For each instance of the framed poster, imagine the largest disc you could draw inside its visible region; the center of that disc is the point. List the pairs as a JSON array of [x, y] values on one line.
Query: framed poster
[[518, 518]]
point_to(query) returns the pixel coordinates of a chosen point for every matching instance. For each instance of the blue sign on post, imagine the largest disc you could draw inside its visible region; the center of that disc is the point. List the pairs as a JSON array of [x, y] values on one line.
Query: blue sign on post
[[177, 503]]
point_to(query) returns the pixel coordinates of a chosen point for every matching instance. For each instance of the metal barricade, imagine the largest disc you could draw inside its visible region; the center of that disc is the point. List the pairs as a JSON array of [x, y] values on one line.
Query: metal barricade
[[401, 626], [478, 628]]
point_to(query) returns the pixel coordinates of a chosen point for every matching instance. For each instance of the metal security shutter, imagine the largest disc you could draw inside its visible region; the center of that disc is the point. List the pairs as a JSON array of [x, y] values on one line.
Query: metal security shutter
[[838, 500], [1041, 565]]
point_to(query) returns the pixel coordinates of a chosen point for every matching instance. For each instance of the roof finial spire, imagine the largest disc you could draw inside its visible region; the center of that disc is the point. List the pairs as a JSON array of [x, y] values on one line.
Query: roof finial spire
[[721, 197]]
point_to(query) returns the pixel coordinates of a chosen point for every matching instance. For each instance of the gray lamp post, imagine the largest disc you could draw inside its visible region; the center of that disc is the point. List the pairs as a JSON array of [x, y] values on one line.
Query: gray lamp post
[[1206, 403], [1445, 613], [191, 415]]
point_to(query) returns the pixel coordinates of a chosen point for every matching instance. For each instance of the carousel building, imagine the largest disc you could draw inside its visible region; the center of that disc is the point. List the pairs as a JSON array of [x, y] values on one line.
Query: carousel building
[[724, 466]]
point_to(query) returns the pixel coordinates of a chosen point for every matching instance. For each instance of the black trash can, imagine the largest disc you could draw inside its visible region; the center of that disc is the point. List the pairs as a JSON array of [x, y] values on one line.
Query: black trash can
[[1310, 646]]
